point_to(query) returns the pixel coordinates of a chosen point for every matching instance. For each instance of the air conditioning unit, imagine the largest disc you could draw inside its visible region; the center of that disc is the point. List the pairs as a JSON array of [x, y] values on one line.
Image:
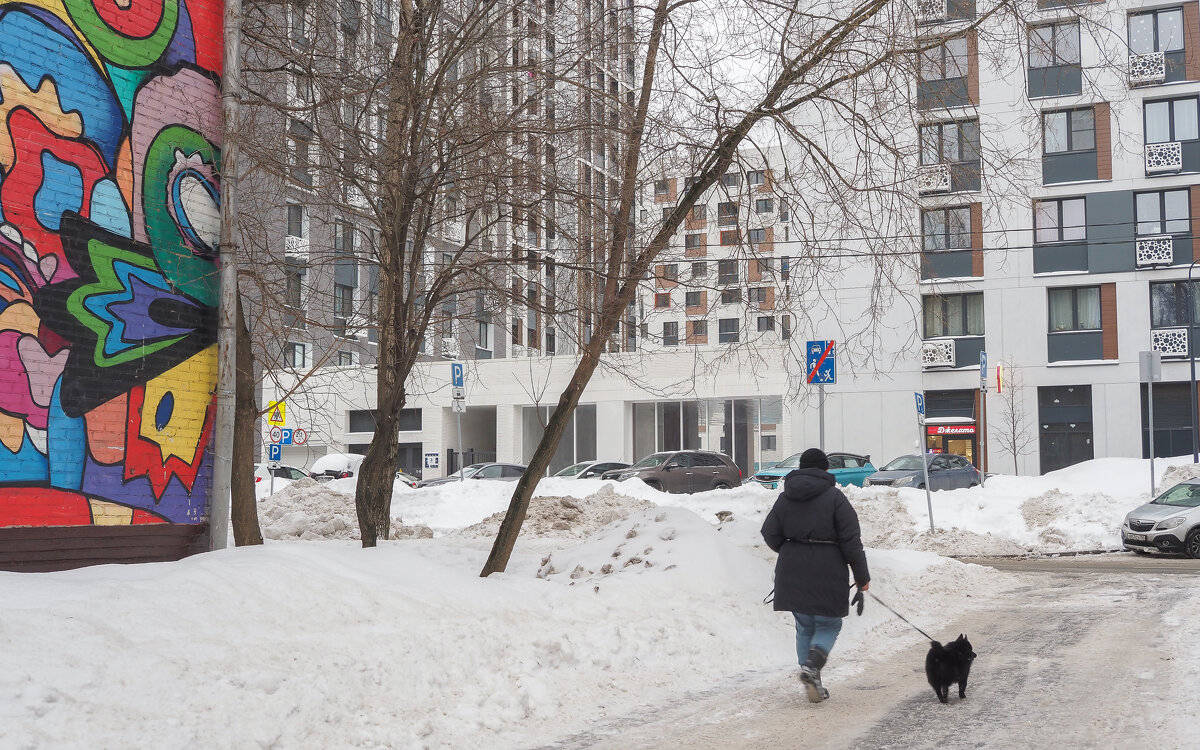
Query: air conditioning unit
[[1171, 342], [451, 348], [1164, 157], [937, 353], [295, 246], [1148, 69], [932, 11], [1154, 251], [933, 178]]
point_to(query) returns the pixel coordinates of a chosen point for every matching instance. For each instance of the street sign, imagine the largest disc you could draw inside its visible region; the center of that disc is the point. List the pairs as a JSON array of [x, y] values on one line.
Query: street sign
[[299, 436], [276, 434], [274, 452], [458, 393], [286, 436], [822, 367], [459, 406], [431, 461], [456, 374], [1150, 366], [920, 407], [277, 413], [983, 371]]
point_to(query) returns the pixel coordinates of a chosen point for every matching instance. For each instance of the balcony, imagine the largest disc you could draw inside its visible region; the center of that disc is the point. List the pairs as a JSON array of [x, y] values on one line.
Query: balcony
[[1147, 70], [296, 247], [1162, 158], [937, 353], [1171, 342], [933, 178], [932, 11], [1155, 251]]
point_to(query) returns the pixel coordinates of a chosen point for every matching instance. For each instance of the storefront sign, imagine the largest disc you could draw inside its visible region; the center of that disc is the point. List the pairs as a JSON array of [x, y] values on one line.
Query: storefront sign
[[950, 429]]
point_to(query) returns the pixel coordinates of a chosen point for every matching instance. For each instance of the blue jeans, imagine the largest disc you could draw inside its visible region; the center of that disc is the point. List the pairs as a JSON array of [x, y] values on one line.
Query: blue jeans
[[816, 631]]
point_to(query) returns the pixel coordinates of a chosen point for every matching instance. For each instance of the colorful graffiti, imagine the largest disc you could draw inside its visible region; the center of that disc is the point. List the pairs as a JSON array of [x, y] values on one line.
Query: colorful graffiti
[[109, 209]]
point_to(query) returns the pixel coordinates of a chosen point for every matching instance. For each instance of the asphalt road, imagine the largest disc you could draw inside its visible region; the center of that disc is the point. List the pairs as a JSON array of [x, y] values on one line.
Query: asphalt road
[[1069, 657]]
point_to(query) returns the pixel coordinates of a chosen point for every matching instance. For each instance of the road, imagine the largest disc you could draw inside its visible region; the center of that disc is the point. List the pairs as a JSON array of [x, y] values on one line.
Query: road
[[1068, 658]]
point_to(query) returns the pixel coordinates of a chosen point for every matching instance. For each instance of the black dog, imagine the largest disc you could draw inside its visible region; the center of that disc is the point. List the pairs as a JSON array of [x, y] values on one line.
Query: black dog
[[948, 664]]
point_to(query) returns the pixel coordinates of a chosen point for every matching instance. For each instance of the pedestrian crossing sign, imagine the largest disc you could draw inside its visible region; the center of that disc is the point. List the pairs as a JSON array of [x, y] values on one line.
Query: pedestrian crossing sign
[[277, 414]]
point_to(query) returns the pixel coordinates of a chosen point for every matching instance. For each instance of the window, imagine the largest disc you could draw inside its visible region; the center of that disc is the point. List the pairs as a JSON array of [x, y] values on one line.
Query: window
[[295, 355], [345, 359], [516, 331], [1075, 309], [299, 155], [1156, 31], [343, 237], [666, 213], [731, 296], [483, 338], [1054, 45], [298, 21], [1069, 130], [756, 177], [1171, 120], [766, 323], [661, 188], [731, 179], [953, 315], [727, 214], [729, 237], [948, 142], [1163, 212], [757, 236], [699, 270], [671, 271], [785, 267], [692, 241], [1169, 304], [670, 334], [1059, 220], [946, 228], [767, 442], [766, 266], [727, 272], [551, 341], [758, 295], [727, 331], [700, 213], [295, 220], [945, 60], [785, 325], [784, 212], [764, 206], [699, 327], [691, 299], [293, 288]]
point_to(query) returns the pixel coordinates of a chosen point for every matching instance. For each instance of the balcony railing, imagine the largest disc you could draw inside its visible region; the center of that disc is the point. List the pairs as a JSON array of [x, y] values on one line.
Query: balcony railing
[[1164, 157], [295, 246], [1155, 251], [937, 353], [933, 178], [1171, 342], [1148, 69], [932, 11]]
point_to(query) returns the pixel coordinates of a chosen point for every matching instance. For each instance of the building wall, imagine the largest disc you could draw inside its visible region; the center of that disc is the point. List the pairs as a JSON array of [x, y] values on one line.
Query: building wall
[[110, 190]]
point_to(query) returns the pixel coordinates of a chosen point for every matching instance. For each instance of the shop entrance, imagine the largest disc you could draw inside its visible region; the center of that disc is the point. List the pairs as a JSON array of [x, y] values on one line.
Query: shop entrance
[[958, 439]]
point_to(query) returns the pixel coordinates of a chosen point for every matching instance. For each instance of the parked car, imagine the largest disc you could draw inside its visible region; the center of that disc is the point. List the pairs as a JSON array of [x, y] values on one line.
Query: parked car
[[504, 472], [590, 469], [408, 479], [846, 468], [1168, 523], [263, 472], [683, 471], [946, 472], [336, 466]]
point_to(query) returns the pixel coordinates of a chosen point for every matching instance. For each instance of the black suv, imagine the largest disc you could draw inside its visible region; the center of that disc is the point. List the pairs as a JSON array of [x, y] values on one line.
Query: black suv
[[683, 471]]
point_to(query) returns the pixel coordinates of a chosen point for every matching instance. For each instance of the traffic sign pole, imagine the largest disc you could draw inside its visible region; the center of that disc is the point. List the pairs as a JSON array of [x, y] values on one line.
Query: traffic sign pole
[[921, 452], [983, 456]]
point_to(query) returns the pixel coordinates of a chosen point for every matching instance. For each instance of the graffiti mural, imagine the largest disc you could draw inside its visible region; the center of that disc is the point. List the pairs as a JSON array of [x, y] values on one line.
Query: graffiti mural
[[109, 213]]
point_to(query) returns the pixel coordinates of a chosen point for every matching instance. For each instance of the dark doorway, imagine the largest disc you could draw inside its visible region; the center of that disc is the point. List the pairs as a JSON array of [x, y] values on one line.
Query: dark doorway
[[1065, 426], [1172, 428]]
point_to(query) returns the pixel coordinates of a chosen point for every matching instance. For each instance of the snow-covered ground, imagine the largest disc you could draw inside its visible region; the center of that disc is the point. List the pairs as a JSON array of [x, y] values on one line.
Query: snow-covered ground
[[618, 596]]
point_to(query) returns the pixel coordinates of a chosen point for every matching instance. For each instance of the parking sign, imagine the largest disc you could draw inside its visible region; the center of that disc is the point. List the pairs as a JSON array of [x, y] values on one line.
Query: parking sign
[[274, 452], [920, 407], [456, 374]]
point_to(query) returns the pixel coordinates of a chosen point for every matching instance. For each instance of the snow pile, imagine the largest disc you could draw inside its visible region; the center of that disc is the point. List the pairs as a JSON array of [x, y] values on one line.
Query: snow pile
[[565, 517], [1176, 474], [311, 510]]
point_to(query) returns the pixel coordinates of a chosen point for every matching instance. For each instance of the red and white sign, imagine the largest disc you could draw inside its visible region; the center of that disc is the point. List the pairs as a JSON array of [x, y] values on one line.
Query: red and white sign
[[950, 429]]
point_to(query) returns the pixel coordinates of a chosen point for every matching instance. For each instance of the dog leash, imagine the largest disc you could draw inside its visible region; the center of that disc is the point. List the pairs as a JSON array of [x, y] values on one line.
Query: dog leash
[[897, 614]]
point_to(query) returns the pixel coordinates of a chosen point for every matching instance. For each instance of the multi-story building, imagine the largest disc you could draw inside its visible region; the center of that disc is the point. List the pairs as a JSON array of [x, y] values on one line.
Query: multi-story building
[[1054, 197]]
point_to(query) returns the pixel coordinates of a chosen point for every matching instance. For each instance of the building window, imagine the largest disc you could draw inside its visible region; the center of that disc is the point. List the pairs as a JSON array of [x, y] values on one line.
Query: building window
[[946, 228], [295, 355], [662, 299], [551, 341], [758, 295], [785, 267], [1059, 220], [343, 300], [343, 237], [670, 334], [1054, 45], [766, 266], [727, 214], [766, 323], [731, 296], [298, 23], [1169, 304], [1069, 130], [671, 271], [727, 272], [756, 236], [1162, 212], [764, 206], [953, 315], [691, 299], [295, 220], [692, 241], [944, 61], [483, 338], [727, 331], [699, 327], [700, 212], [1075, 309], [731, 179], [516, 331], [345, 359], [299, 153], [767, 442], [729, 237], [756, 177], [661, 188], [1156, 31], [293, 289], [666, 213], [1171, 120], [785, 325], [784, 211], [699, 270], [949, 142]]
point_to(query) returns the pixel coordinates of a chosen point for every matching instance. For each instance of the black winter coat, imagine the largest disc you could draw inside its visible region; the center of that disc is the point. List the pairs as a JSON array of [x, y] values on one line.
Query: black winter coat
[[815, 530]]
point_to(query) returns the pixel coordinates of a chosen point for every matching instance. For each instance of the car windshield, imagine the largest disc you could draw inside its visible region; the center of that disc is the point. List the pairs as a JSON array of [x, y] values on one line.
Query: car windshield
[[1181, 495], [571, 471], [791, 462], [654, 459], [467, 471], [904, 463]]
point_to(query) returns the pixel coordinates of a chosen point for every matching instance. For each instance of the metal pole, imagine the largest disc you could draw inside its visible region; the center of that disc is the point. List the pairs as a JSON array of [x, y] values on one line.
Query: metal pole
[[983, 437], [462, 468], [1191, 297], [218, 517], [925, 470], [821, 416], [1150, 409]]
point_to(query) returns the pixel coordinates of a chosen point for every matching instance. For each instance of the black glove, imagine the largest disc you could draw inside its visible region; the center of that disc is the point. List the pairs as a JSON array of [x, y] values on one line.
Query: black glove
[[857, 601]]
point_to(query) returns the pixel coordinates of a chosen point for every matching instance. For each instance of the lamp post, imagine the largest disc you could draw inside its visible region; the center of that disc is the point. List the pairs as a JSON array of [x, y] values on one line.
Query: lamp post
[[1191, 298]]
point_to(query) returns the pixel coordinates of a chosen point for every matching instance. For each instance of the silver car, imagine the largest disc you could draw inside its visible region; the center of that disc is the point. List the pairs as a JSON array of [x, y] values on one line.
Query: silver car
[[1169, 523], [946, 472]]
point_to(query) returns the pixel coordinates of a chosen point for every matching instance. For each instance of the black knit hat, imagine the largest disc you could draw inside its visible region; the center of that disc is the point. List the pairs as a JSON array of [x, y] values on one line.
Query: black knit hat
[[814, 458]]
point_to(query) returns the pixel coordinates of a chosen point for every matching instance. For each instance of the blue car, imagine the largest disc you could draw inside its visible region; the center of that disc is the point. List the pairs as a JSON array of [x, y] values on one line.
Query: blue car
[[846, 468]]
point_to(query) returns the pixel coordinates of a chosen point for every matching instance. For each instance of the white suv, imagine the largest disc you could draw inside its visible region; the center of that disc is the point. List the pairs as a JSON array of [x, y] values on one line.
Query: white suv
[[1169, 523]]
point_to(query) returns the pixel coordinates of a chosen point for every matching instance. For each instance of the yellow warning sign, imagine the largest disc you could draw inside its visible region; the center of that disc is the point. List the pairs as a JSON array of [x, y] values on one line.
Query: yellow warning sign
[[277, 413]]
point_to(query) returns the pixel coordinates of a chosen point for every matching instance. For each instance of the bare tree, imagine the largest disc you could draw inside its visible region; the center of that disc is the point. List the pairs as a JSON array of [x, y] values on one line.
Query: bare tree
[[1011, 423]]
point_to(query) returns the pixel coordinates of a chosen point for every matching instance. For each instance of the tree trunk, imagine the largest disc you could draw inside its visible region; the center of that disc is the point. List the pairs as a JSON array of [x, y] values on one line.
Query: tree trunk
[[246, 529]]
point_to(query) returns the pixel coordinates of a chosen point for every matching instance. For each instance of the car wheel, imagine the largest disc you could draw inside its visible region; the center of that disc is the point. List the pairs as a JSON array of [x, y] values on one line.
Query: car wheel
[[972, 484], [1192, 546], [721, 486], [654, 485]]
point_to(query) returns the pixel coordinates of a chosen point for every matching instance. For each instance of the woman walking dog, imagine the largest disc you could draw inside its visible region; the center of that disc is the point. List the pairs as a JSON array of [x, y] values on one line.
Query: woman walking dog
[[815, 530]]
